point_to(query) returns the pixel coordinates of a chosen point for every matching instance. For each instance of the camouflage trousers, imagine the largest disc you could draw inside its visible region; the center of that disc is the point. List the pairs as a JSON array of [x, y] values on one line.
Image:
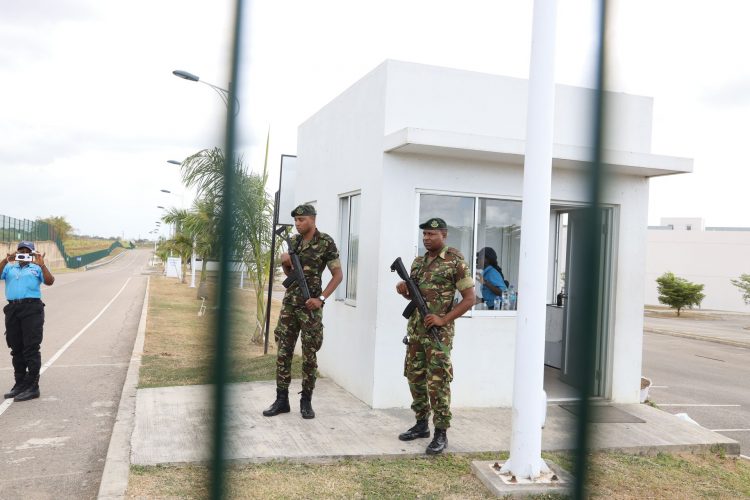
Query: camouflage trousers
[[293, 320], [429, 371]]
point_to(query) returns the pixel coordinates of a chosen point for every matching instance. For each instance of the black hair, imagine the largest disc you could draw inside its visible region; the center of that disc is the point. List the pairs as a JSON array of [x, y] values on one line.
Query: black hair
[[490, 258]]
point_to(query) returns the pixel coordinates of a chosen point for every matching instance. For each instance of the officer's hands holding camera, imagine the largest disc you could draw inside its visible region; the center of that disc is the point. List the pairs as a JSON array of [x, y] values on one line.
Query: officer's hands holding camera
[[35, 257]]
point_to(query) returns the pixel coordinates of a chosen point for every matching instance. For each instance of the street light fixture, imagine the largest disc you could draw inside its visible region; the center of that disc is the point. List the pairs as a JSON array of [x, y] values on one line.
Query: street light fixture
[[174, 162], [223, 93], [159, 206]]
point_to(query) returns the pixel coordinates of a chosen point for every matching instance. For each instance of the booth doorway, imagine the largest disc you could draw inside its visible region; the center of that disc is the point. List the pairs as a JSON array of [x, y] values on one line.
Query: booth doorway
[[563, 346]]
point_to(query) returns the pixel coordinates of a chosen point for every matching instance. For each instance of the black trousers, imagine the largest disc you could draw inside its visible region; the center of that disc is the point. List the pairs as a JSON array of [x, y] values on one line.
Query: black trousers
[[24, 326]]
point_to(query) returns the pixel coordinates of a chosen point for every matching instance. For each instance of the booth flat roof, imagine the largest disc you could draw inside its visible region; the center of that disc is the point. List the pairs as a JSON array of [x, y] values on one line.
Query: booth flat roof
[[503, 150]]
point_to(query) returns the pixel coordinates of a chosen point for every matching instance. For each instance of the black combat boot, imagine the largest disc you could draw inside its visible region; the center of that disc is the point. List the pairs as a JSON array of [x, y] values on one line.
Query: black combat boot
[[439, 442], [31, 389], [305, 404], [420, 430], [17, 389], [281, 405]]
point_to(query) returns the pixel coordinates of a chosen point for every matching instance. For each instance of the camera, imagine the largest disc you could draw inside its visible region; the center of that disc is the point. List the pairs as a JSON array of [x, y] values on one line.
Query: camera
[[24, 257]]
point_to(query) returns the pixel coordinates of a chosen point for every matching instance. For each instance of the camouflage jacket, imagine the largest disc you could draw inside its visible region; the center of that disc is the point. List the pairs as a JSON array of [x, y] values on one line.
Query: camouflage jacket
[[438, 281], [314, 255]]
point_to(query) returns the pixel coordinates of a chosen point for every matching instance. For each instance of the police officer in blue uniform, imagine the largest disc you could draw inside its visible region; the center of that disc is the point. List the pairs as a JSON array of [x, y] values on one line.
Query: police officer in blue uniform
[[24, 317]]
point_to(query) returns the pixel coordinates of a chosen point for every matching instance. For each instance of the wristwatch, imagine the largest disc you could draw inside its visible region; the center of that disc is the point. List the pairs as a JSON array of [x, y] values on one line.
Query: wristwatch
[[322, 299]]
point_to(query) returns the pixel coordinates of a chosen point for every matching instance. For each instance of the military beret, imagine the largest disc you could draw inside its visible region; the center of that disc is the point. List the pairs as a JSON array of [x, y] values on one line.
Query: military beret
[[303, 210], [434, 223]]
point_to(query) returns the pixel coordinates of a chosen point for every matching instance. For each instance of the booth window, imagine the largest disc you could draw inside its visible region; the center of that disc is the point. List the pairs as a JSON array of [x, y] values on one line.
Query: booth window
[[349, 211], [475, 223]]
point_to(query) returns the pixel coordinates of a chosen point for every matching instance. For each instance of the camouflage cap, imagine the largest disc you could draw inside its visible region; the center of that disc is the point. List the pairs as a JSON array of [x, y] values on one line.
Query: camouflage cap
[[304, 210], [434, 223]]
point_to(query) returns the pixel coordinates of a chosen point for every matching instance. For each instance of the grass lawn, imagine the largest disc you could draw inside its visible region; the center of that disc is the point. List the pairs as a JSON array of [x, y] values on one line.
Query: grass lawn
[[80, 246], [613, 475], [178, 345], [176, 353]]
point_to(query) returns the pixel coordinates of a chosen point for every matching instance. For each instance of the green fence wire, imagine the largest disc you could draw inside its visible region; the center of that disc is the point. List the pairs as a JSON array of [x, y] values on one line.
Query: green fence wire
[[12, 230]]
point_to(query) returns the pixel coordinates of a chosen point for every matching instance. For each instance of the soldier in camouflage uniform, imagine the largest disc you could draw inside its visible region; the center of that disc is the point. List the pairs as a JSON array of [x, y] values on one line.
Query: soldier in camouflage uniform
[[439, 273], [316, 250]]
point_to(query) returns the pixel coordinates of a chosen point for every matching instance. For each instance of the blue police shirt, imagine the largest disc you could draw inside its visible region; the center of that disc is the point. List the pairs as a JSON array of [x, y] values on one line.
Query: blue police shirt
[[491, 276], [22, 282]]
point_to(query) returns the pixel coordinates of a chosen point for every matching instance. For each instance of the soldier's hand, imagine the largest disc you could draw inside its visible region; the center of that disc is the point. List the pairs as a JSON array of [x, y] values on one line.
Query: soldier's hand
[[313, 303], [433, 320], [286, 261], [402, 289]]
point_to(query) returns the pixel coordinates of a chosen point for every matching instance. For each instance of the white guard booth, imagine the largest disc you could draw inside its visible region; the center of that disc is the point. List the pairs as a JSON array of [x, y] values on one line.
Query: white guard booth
[[408, 142]]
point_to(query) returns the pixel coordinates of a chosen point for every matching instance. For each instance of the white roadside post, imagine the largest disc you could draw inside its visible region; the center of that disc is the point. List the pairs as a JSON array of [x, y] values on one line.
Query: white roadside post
[[192, 266], [525, 459]]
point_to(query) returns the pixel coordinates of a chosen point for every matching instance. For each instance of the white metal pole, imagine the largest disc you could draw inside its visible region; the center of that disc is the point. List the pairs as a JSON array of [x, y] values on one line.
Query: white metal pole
[[192, 267], [525, 459]]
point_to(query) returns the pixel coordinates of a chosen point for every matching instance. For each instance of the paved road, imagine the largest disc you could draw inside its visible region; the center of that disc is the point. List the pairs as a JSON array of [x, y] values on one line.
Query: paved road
[[55, 446], [691, 375]]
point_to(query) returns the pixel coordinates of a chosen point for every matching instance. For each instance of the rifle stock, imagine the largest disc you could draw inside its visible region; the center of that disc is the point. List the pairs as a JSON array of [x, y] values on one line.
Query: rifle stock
[[417, 300]]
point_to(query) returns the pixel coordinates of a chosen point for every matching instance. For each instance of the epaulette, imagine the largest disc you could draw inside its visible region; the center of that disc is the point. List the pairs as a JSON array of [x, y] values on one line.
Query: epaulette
[[455, 252], [326, 237]]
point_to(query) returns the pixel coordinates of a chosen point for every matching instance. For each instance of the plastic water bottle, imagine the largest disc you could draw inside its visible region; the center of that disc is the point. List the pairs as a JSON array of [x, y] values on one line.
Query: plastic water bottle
[[498, 304], [513, 297], [506, 300]]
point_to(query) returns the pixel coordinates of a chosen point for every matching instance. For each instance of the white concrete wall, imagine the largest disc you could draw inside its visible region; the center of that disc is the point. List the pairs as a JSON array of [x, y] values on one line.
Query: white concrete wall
[[711, 258], [340, 151], [626, 345], [454, 100]]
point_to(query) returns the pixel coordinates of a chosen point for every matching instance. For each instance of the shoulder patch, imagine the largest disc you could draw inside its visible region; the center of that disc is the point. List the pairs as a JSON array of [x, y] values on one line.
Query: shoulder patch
[[455, 252]]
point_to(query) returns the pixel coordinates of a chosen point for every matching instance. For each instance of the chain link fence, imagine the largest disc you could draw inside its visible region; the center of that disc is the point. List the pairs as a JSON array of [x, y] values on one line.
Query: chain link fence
[[13, 230]]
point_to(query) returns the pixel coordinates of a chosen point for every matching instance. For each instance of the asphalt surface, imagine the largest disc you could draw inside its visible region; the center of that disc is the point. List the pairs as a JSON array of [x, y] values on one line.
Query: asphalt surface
[[55, 446], [705, 379]]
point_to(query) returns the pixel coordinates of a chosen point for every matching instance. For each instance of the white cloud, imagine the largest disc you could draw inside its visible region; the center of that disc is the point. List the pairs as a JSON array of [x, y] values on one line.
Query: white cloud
[[91, 109]]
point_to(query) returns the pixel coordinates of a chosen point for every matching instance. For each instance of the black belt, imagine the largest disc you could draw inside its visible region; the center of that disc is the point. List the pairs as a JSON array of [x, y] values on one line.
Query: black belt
[[23, 301]]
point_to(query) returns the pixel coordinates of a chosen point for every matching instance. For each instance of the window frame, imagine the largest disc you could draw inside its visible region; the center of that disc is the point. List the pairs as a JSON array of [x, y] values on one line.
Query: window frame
[[345, 203], [471, 313]]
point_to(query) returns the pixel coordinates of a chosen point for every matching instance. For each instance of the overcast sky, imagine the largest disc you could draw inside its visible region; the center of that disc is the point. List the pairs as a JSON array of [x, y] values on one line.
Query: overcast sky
[[90, 112]]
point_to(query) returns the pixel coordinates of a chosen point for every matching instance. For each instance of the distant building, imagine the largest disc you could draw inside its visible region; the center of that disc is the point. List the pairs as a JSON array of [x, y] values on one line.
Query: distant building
[[410, 141], [711, 256]]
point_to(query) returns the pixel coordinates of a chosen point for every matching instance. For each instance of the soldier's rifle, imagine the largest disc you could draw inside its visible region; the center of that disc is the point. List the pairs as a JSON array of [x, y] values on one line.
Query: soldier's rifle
[[297, 276], [417, 300]]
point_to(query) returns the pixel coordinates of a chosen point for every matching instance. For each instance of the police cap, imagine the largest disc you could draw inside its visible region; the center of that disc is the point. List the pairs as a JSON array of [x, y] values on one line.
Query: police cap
[[27, 244]]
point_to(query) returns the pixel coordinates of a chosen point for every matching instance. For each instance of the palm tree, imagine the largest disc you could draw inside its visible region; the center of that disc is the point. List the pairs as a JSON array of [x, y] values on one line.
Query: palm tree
[[255, 226], [203, 223], [252, 219]]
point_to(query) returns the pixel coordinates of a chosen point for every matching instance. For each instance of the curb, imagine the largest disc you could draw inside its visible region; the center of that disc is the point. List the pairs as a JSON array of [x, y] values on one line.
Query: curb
[[94, 266], [114, 481], [672, 333]]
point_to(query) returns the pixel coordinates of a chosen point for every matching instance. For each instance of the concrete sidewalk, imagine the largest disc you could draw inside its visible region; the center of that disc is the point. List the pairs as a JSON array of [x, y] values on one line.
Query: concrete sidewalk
[[730, 328], [172, 426]]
